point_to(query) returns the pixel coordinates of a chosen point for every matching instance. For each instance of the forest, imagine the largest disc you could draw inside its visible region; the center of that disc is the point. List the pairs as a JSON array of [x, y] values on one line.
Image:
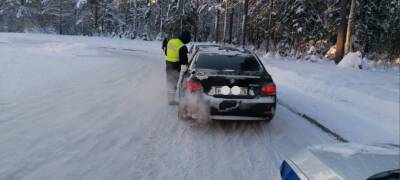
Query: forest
[[288, 27]]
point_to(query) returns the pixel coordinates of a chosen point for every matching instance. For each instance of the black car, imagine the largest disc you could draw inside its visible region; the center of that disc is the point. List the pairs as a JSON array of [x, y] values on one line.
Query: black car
[[226, 84]]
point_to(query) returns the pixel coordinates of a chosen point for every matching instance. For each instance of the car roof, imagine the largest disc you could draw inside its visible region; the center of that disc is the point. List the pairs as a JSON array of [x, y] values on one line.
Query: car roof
[[346, 160], [225, 50], [203, 46]]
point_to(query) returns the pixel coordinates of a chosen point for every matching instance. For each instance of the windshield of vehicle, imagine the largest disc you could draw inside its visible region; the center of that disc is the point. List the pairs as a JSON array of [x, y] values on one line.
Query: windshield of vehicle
[[227, 62]]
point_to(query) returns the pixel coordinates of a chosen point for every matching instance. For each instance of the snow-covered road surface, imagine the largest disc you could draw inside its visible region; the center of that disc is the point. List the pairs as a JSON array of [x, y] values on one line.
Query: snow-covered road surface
[[94, 108]]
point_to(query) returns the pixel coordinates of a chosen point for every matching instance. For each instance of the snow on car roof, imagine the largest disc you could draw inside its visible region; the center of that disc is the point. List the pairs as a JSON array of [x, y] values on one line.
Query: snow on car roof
[[224, 50], [219, 49], [203, 43]]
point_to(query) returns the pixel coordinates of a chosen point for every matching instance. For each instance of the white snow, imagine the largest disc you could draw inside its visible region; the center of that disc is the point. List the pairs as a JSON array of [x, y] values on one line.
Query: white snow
[[300, 29], [96, 108], [313, 58], [351, 60], [80, 3], [299, 9], [362, 106], [312, 50]]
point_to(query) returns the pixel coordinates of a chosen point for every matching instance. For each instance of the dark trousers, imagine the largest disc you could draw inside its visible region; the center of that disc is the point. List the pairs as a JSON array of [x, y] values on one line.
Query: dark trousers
[[172, 70]]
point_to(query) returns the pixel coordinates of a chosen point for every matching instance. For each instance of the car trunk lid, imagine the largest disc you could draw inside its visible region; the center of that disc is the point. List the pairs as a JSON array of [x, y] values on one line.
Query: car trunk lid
[[248, 82]]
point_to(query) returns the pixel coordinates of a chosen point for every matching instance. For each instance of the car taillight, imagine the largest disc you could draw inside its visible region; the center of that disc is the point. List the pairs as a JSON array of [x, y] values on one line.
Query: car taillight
[[193, 86], [269, 89]]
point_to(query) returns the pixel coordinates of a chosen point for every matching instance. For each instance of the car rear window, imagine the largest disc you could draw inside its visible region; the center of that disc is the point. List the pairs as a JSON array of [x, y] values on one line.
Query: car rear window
[[227, 62]]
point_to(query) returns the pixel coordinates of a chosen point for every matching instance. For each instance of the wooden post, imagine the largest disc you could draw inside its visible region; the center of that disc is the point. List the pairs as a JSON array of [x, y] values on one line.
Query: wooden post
[[217, 27]]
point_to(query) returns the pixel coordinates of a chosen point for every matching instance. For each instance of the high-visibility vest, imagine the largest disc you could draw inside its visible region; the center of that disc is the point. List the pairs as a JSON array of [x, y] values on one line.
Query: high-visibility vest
[[173, 47]]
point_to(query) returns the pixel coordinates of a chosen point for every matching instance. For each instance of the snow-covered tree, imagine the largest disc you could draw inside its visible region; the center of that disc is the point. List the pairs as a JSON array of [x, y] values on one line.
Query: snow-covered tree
[[18, 15], [290, 27], [60, 11]]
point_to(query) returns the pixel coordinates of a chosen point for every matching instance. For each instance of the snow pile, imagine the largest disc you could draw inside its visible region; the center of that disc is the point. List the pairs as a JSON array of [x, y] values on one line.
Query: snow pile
[[269, 55], [272, 55], [365, 63], [353, 60], [313, 58], [312, 50]]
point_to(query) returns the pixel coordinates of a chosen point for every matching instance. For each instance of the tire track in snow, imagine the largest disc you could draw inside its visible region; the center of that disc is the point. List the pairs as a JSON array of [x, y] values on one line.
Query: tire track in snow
[[114, 123]]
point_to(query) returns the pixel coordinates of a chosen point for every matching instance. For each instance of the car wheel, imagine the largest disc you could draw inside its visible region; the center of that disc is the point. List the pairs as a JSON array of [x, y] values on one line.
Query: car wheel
[[269, 118]]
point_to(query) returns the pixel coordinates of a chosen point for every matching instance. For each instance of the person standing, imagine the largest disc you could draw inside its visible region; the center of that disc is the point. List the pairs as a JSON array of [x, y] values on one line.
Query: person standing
[[176, 54]]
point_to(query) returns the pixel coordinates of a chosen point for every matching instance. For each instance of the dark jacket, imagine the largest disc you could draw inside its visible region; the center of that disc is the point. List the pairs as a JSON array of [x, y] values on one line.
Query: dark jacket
[[164, 45], [183, 52]]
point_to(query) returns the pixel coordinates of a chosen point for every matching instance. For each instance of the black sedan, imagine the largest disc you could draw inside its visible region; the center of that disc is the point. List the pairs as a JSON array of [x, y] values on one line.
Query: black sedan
[[226, 84]]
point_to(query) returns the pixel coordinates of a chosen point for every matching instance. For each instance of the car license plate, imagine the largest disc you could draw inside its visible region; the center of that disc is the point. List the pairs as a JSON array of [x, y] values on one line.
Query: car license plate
[[243, 91]]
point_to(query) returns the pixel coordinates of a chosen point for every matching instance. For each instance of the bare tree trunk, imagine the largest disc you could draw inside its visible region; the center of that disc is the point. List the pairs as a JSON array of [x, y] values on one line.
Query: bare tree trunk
[[271, 5], [348, 46], [161, 21], [231, 25], [225, 20], [364, 35], [125, 26], [135, 20], [96, 17], [196, 22], [60, 17], [23, 19], [341, 32], [217, 26], [245, 9], [182, 9], [102, 20]]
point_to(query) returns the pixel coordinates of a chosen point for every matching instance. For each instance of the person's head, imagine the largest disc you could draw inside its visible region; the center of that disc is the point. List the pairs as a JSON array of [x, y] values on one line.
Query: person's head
[[185, 37]]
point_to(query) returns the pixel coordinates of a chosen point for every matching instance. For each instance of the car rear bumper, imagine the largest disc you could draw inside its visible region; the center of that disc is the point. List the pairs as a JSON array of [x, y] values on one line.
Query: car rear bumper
[[236, 118], [260, 108], [260, 100]]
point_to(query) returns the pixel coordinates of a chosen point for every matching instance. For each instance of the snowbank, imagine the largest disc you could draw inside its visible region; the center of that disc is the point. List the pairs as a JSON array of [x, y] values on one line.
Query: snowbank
[[272, 55], [313, 58], [351, 103], [353, 60]]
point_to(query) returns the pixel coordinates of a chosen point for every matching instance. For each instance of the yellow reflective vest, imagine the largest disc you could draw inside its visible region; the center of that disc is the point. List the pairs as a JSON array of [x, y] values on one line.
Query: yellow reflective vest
[[173, 47]]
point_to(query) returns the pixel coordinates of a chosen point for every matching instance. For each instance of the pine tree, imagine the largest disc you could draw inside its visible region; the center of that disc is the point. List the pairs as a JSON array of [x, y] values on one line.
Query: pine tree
[[60, 11]]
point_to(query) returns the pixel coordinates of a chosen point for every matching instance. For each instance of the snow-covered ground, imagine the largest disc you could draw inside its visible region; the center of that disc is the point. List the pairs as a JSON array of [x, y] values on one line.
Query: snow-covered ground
[[96, 108], [360, 105]]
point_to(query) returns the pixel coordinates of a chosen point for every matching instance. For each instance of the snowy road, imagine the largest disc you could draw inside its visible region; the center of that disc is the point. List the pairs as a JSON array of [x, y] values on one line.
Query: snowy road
[[93, 108]]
